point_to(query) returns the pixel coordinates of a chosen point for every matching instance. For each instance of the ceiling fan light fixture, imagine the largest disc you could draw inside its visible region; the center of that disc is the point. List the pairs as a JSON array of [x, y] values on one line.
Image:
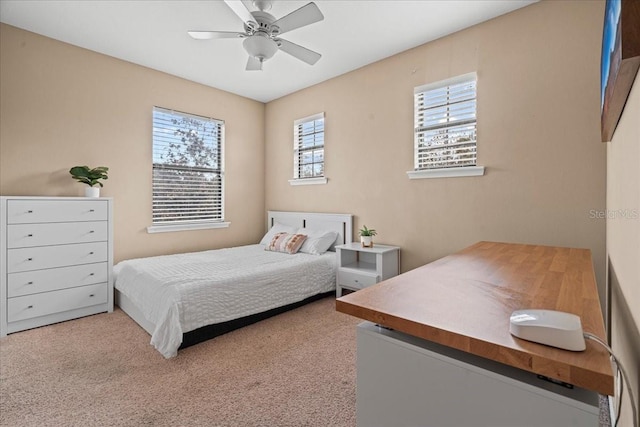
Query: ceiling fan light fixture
[[262, 5], [260, 46]]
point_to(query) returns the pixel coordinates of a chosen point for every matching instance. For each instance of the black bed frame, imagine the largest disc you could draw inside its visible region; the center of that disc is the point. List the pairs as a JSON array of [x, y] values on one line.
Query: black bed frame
[[211, 331]]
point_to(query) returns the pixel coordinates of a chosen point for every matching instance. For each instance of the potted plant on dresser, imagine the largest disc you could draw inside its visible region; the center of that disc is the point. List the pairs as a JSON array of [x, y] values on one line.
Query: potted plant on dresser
[[91, 177], [366, 236]]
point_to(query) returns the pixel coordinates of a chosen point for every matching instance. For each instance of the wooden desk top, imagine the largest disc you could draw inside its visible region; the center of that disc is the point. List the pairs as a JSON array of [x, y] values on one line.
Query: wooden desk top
[[465, 300]]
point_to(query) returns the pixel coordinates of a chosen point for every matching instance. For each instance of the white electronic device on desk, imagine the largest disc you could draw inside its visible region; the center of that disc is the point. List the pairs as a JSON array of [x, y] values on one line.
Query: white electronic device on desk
[[549, 327]]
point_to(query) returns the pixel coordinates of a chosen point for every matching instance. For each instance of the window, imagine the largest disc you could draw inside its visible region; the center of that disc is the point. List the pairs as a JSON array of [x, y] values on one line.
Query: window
[[308, 147], [188, 174], [445, 126]]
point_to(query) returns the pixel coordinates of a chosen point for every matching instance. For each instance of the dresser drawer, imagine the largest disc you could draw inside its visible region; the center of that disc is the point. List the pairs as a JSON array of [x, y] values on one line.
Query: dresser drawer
[[51, 279], [356, 280], [27, 235], [30, 306], [35, 211], [27, 259]]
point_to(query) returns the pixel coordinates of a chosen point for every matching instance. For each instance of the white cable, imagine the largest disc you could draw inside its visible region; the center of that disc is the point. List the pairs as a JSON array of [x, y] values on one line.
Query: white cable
[[620, 392], [625, 379]]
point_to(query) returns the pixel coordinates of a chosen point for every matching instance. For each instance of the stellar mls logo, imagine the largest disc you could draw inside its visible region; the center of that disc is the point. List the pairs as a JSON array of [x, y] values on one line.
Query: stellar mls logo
[[614, 214]]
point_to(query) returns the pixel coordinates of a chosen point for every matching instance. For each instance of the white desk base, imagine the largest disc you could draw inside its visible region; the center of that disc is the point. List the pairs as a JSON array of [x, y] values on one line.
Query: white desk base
[[406, 381]]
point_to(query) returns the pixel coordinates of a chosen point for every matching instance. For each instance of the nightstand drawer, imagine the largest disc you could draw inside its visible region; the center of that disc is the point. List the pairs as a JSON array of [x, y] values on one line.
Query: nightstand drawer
[[27, 259], [350, 279], [34, 211], [51, 279], [30, 306], [29, 235]]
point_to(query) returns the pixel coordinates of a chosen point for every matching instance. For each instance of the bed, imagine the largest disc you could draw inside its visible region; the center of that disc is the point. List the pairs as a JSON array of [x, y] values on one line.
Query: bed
[[184, 299]]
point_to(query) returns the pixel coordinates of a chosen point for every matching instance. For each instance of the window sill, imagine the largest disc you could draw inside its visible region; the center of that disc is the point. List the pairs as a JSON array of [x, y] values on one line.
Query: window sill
[[186, 227], [308, 181], [447, 172]]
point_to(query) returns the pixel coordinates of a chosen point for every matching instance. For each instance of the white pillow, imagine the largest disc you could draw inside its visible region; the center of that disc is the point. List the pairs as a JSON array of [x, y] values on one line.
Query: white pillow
[[277, 228], [318, 241]]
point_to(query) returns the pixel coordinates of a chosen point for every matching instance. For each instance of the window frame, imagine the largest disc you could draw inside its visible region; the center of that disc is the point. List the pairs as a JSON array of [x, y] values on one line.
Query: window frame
[[194, 224], [446, 171], [298, 151]]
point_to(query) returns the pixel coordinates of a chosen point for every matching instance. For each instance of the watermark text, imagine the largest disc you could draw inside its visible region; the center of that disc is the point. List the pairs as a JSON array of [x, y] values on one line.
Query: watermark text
[[614, 214]]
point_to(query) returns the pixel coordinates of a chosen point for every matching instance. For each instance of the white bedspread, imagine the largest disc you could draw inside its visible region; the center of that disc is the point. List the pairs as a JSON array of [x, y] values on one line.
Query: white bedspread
[[183, 292]]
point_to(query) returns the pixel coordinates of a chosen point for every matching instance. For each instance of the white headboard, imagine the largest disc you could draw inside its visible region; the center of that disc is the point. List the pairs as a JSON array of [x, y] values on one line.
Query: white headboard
[[341, 223]]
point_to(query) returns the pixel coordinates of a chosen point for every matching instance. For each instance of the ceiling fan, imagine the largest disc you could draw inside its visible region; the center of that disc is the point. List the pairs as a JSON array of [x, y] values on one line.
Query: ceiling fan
[[262, 32]]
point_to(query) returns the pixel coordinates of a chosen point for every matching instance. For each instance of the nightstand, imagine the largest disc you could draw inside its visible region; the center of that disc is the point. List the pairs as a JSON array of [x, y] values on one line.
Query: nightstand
[[359, 267]]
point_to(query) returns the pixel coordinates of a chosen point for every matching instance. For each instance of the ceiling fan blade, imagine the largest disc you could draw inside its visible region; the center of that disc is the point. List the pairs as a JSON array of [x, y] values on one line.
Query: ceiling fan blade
[[208, 35], [297, 51], [307, 14], [241, 10], [254, 64]]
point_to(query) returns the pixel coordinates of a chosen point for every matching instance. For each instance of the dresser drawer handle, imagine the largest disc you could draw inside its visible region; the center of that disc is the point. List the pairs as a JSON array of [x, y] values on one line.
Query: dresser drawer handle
[[91, 295], [30, 283], [29, 211], [92, 274], [29, 235], [92, 210], [91, 253], [29, 259], [91, 231], [30, 306]]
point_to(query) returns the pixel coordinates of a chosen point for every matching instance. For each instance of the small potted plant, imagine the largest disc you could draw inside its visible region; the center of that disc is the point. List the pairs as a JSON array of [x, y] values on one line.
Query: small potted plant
[[366, 235], [91, 177]]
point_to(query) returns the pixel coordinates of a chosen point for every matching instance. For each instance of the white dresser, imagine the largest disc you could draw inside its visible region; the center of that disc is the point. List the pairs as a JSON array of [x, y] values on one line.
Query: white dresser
[[56, 259]]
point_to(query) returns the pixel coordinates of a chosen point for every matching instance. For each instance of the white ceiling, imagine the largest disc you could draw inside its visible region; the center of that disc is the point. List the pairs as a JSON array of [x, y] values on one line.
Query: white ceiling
[[354, 33]]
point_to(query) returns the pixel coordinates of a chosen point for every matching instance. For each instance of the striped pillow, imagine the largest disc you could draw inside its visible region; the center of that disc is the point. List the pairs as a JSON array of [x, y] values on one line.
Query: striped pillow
[[285, 242]]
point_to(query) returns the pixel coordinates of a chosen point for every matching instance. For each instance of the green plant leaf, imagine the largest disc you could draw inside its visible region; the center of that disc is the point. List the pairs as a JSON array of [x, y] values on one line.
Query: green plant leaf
[[89, 176], [364, 231]]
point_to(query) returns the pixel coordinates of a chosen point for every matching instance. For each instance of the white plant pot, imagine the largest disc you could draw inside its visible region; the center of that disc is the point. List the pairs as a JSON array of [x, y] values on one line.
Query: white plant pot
[[366, 241], [92, 192]]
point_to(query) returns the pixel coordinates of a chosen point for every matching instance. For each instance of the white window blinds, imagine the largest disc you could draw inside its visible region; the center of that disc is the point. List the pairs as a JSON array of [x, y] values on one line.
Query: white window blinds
[[188, 173], [308, 147], [445, 123]]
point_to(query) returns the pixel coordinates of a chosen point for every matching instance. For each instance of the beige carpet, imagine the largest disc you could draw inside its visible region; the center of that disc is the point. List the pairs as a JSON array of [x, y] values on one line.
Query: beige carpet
[[296, 369]]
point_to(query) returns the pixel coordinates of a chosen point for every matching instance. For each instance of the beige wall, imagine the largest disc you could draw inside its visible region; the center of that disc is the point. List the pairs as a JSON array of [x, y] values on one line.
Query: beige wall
[[538, 130], [623, 241], [63, 106], [538, 137]]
